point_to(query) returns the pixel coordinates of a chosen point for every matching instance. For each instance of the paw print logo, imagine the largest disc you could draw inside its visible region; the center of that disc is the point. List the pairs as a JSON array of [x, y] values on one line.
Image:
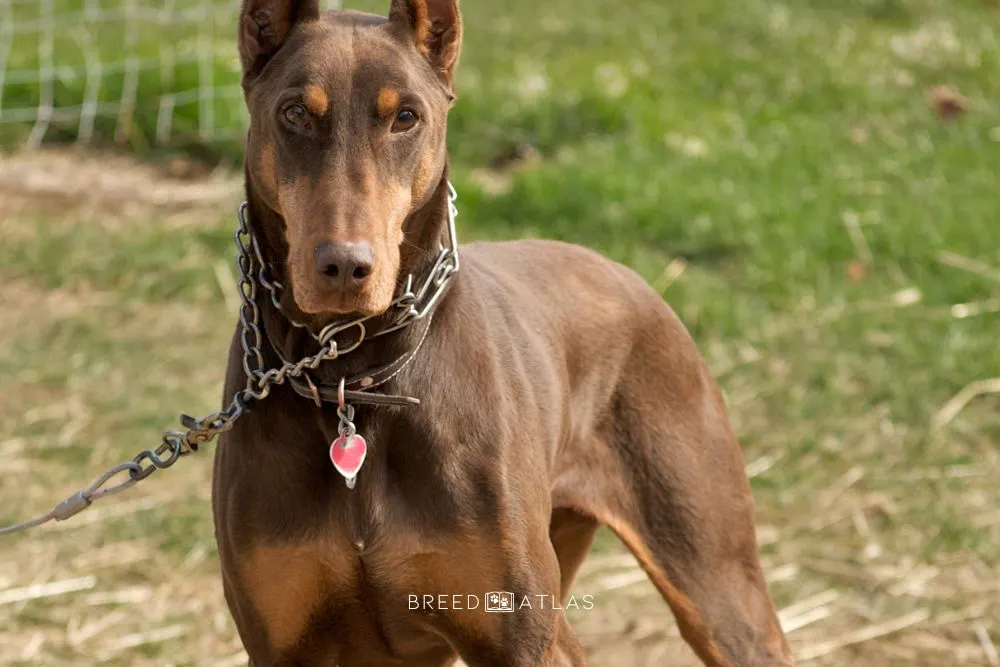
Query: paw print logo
[[499, 601]]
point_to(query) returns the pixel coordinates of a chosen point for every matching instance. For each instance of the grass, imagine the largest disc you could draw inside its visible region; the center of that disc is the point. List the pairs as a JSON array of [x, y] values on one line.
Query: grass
[[125, 57], [774, 169]]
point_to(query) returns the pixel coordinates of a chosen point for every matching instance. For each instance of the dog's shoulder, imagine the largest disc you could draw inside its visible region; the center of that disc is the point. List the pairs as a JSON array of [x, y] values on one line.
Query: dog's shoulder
[[539, 256], [557, 264], [562, 282], [532, 247]]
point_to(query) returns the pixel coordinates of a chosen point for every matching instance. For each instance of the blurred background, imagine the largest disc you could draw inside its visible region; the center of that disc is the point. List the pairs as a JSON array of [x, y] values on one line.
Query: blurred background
[[812, 184]]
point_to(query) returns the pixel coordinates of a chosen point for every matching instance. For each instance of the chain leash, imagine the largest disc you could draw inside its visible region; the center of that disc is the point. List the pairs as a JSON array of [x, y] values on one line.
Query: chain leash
[[252, 270]]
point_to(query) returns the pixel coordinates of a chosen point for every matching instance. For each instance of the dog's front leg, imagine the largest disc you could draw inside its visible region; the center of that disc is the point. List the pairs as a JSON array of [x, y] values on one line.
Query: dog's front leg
[[535, 638], [533, 630]]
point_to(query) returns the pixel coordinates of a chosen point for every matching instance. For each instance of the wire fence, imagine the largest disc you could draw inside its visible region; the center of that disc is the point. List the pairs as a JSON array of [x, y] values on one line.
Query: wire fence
[[148, 73]]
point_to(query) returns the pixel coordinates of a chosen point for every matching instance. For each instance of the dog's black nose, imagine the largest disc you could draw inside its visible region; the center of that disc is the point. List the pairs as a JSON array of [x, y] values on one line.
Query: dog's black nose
[[346, 263]]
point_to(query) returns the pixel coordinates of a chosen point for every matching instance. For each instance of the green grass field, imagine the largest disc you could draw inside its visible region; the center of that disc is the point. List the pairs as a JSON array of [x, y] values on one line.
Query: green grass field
[[776, 169]]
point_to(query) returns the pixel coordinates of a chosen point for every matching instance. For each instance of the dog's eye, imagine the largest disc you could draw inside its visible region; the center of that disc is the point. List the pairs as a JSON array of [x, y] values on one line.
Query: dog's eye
[[295, 115], [405, 120]]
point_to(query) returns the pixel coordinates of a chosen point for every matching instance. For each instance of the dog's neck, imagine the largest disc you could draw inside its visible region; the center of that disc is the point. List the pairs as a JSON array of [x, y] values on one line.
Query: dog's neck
[[425, 231]]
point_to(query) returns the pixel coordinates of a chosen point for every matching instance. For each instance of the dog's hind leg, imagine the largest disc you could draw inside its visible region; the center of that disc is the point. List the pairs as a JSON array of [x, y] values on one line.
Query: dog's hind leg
[[666, 474], [572, 534]]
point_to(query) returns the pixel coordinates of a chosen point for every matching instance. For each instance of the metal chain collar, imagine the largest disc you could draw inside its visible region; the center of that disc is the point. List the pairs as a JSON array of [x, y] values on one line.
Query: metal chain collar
[[411, 306]]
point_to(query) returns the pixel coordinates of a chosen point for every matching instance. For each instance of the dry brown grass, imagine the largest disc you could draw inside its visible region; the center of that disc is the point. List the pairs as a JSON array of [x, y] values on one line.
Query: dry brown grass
[[134, 580]]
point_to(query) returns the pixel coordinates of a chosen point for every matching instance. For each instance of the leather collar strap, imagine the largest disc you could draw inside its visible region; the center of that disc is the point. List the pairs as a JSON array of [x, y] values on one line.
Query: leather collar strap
[[358, 389]]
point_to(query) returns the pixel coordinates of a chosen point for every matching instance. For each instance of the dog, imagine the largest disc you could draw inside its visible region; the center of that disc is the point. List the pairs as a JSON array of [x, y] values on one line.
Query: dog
[[557, 391]]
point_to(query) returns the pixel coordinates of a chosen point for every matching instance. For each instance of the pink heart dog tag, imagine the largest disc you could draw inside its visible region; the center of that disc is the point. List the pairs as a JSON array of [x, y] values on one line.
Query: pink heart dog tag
[[348, 455]]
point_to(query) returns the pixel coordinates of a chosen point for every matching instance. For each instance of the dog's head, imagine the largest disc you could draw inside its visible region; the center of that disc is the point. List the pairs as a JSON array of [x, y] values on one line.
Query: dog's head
[[347, 136]]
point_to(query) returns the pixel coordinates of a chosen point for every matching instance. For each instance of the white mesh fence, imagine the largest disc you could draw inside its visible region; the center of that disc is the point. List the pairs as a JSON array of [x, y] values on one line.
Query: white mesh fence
[[148, 72]]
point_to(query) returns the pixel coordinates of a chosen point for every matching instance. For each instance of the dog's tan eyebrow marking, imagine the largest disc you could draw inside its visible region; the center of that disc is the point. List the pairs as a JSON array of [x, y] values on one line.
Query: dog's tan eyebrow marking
[[388, 100], [315, 100]]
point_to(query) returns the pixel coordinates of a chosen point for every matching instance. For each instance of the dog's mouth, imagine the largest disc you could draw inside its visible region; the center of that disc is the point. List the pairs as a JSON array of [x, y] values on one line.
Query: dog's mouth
[[392, 284], [324, 304], [323, 300]]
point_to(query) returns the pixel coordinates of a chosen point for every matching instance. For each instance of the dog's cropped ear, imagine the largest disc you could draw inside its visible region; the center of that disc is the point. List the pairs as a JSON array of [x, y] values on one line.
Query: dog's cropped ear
[[264, 27], [435, 26]]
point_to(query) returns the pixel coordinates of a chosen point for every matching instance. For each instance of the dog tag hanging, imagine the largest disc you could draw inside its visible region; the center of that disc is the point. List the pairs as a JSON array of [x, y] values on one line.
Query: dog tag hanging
[[348, 450], [348, 454]]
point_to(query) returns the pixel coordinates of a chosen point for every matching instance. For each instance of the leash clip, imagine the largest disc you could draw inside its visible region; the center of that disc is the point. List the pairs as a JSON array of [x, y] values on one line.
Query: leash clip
[[345, 411]]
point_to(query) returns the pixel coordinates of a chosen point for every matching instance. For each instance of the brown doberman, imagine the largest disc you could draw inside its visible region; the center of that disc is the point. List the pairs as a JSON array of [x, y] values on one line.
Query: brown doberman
[[557, 392]]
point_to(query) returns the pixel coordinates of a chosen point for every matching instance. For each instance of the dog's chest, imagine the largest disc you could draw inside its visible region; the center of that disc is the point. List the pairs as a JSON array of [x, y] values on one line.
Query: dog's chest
[[412, 550], [391, 590]]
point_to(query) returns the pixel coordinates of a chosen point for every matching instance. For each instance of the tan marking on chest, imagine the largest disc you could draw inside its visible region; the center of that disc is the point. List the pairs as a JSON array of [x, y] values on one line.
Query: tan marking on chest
[[287, 584], [316, 100], [445, 571]]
